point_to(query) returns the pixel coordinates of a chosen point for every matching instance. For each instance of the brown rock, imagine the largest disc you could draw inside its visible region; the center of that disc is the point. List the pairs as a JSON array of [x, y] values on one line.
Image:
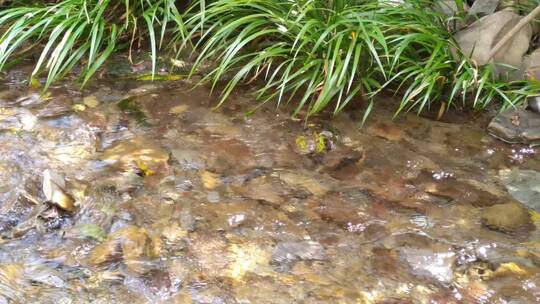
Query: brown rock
[[140, 154], [516, 126], [508, 217], [387, 131], [129, 243]]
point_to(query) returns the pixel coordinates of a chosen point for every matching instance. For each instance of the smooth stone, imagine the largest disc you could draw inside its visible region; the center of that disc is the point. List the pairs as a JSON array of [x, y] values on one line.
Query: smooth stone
[[533, 104], [531, 65], [53, 188], [508, 217], [523, 185], [288, 252], [141, 154], [484, 7], [430, 264], [17, 119], [516, 126], [479, 38]]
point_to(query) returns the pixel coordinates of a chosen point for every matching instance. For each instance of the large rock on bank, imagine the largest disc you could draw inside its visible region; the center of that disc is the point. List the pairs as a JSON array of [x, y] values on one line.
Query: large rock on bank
[[480, 37], [531, 65], [484, 7]]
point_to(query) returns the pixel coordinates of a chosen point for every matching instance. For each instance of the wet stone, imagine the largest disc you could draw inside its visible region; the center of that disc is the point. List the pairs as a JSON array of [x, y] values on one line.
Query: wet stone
[[508, 217], [16, 119], [139, 154], [54, 108], [160, 283], [430, 264], [187, 221], [213, 197], [127, 244], [342, 163], [516, 126], [53, 188], [286, 253], [523, 185], [307, 182], [188, 159], [106, 139], [390, 213], [263, 189], [30, 100]]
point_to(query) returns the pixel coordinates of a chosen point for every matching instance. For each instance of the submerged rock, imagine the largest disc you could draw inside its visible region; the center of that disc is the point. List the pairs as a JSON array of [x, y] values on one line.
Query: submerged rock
[[128, 244], [55, 108], [430, 264], [53, 188], [30, 100], [310, 183], [509, 217], [16, 119], [286, 253], [516, 126], [138, 154], [523, 185]]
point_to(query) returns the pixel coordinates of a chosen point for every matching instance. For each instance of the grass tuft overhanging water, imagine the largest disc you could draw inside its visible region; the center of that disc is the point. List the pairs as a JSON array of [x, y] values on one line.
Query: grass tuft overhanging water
[[313, 54]]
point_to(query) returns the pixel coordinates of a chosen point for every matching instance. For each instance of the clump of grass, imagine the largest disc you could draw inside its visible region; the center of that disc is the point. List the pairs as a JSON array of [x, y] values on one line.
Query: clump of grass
[[319, 54], [315, 54], [71, 31]]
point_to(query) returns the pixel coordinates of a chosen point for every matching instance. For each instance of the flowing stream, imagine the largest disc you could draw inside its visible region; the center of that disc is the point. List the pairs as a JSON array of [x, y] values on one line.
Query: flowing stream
[[136, 192]]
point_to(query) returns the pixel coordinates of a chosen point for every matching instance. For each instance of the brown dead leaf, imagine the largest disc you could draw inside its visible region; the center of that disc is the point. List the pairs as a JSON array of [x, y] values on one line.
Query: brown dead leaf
[[515, 120]]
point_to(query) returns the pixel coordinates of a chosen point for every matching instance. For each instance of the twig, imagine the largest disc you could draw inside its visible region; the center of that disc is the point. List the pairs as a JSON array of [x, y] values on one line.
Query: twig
[[510, 34]]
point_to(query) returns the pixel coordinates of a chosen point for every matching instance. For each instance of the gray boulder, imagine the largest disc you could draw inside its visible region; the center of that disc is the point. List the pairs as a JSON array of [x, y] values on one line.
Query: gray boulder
[[479, 38], [523, 185], [516, 126], [483, 7]]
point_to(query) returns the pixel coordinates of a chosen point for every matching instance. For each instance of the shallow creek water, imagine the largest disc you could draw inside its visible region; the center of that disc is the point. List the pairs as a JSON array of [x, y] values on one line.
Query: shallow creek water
[[158, 199]]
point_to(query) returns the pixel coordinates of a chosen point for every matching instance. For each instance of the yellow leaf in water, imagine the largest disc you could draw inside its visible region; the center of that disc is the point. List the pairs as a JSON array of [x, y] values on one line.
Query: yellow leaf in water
[[321, 145], [157, 77], [535, 216], [178, 63], [90, 101], [301, 144], [210, 180], [144, 167], [511, 267], [178, 109], [156, 246], [34, 83], [78, 107]]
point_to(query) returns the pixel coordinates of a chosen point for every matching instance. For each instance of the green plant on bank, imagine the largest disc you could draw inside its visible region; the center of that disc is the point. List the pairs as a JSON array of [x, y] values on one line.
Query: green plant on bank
[[319, 54], [523, 7], [316, 54], [71, 31]]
